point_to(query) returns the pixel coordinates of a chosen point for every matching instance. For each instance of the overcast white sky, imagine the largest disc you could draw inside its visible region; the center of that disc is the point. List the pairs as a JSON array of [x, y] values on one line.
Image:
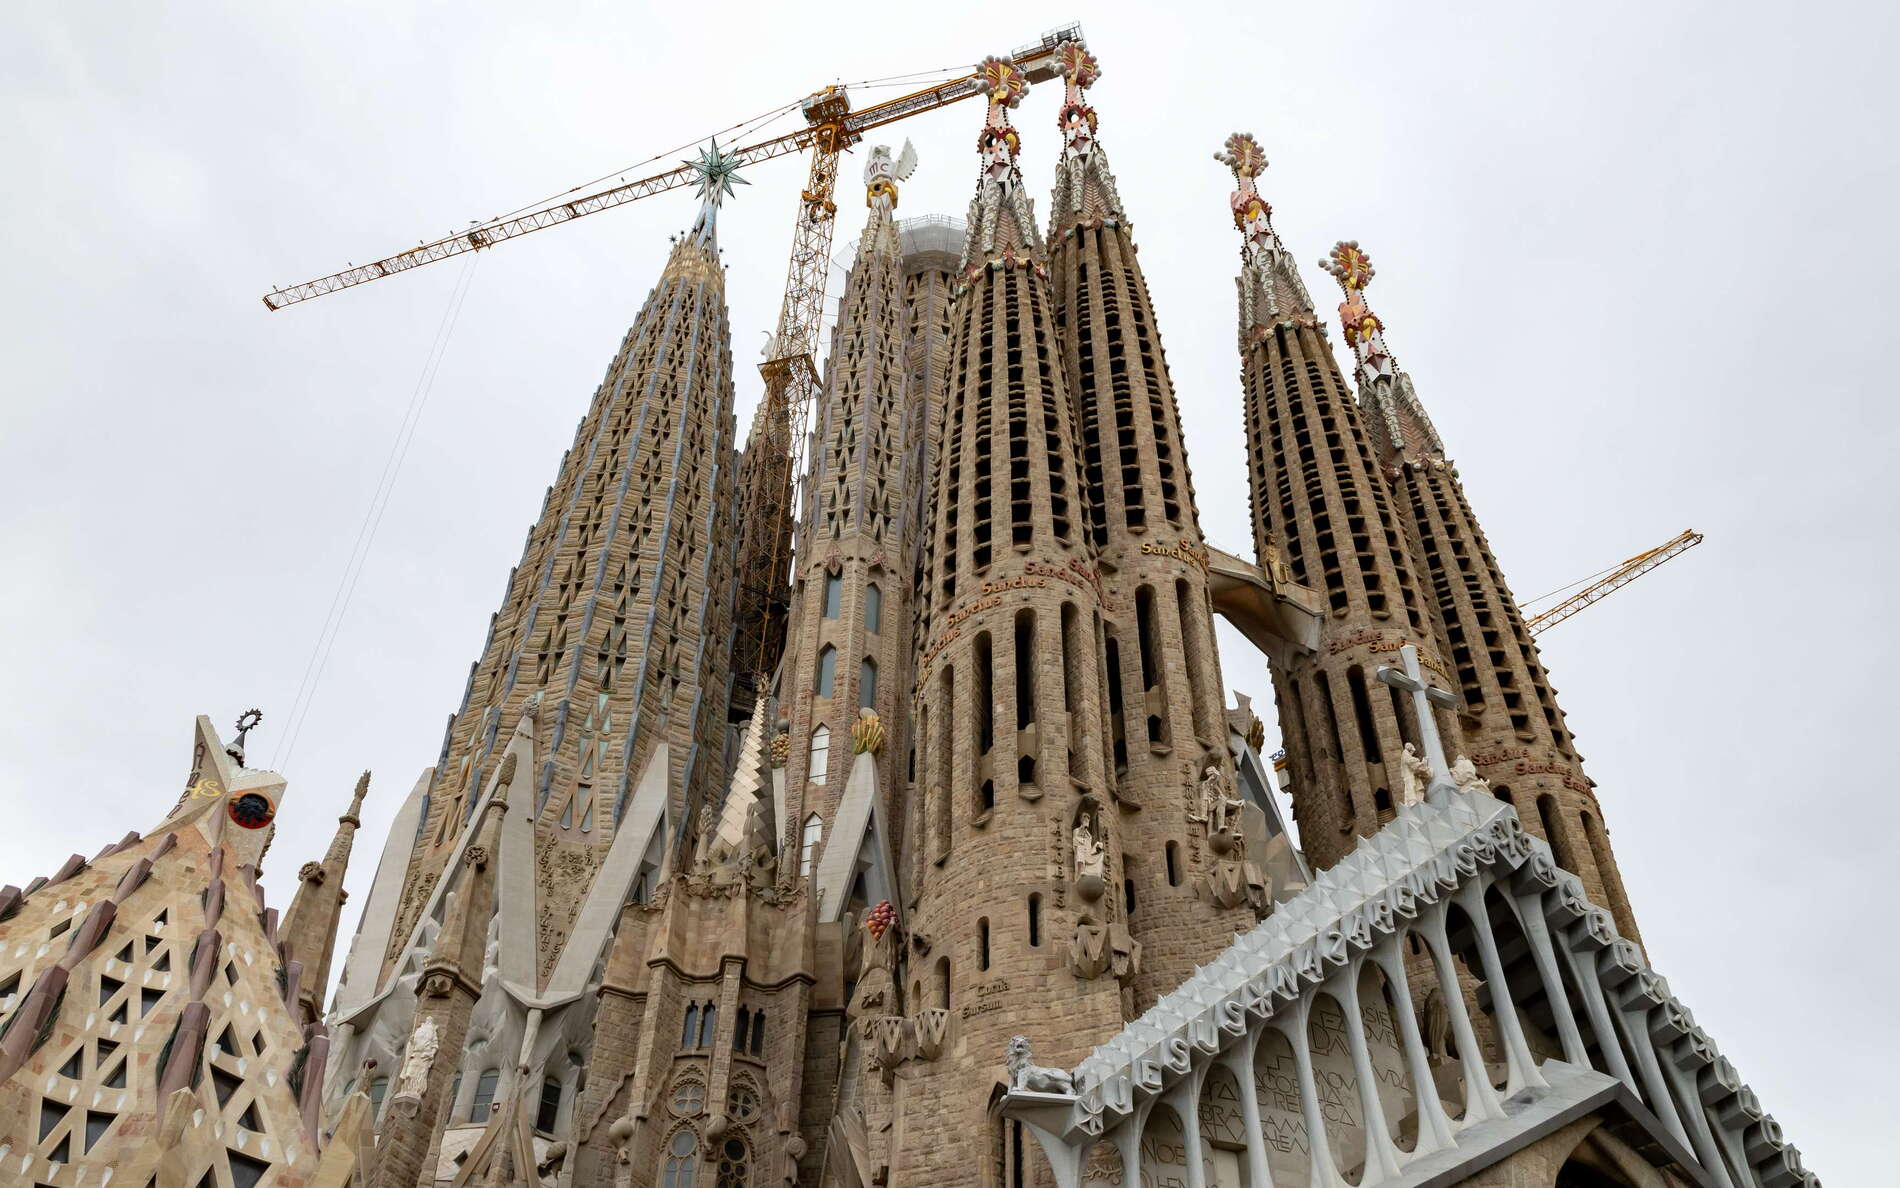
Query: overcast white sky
[[1636, 256]]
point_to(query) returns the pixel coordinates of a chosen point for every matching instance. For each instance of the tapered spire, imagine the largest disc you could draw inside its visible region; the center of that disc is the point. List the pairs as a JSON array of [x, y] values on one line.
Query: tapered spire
[[1386, 396], [881, 175], [1271, 292], [309, 928], [1085, 188], [717, 172], [1002, 221]]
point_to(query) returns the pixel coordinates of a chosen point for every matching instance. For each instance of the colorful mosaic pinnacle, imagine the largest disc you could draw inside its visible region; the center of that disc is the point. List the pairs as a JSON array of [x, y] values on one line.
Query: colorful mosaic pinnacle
[[1252, 214], [1005, 84], [1243, 154], [1349, 265], [1352, 268], [1080, 69], [1002, 80]]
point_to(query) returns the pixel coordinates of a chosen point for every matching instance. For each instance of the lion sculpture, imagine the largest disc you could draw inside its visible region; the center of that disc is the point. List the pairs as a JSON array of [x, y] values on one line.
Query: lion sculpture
[[1034, 1078]]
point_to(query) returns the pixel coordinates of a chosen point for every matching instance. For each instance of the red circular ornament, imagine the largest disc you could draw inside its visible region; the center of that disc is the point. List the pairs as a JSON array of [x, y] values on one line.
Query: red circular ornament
[[252, 810]]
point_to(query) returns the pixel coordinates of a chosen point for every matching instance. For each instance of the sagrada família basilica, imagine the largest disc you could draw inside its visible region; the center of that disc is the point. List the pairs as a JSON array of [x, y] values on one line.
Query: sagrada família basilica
[[981, 881]]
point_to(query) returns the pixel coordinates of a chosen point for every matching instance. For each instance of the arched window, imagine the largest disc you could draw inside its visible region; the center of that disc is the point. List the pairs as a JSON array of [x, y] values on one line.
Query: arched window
[[739, 1029], [550, 1111], [873, 608], [682, 1160], [732, 1164], [808, 848], [758, 1033], [827, 671], [1171, 854], [820, 765], [691, 1030], [867, 684], [834, 595], [377, 1088], [983, 944], [708, 1025], [484, 1095]]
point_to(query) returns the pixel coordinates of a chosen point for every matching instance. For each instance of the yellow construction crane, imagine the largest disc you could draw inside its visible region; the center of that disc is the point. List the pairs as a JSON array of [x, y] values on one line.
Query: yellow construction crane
[[791, 375], [1613, 579]]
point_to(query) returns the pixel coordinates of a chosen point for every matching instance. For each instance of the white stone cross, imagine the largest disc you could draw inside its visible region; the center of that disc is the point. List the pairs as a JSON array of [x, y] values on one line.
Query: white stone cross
[[1424, 695]]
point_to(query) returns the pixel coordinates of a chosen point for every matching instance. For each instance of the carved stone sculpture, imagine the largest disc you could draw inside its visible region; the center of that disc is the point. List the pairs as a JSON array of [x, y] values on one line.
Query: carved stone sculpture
[[1218, 806], [1091, 861], [1124, 954], [491, 949], [867, 733], [1089, 955], [876, 992], [1234, 882], [620, 1134], [708, 830], [792, 1151], [418, 1059], [1417, 774], [1464, 773], [930, 1026], [889, 1035], [1026, 1077]]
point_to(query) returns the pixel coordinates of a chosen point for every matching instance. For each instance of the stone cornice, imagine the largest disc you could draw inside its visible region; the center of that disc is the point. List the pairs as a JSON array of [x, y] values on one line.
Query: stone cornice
[[1425, 856]]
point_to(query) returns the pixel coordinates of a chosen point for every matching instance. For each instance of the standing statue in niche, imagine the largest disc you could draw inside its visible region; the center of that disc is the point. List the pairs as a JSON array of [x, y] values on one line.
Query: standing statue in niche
[[1091, 854], [708, 829], [418, 1059], [761, 864], [491, 949], [1218, 806], [1417, 774]]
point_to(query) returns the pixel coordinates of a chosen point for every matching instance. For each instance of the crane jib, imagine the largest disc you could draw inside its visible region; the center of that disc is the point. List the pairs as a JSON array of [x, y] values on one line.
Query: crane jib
[[834, 130]]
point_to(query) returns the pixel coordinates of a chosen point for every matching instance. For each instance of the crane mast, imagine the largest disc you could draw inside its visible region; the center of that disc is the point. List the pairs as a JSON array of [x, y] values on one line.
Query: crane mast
[[1615, 580], [790, 370]]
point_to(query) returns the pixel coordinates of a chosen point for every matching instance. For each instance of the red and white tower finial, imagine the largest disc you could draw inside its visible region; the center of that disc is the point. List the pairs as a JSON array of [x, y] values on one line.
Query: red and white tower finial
[[1005, 84], [1385, 392], [1252, 215], [1085, 193], [1001, 225], [1271, 292], [1079, 70], [1352, 268]]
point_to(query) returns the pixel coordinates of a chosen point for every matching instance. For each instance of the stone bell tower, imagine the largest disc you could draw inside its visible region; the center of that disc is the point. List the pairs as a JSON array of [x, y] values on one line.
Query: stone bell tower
[[1320, 500], [1191, 886], [602, 694], [1510, 725], [848, 665], [1019, 917]]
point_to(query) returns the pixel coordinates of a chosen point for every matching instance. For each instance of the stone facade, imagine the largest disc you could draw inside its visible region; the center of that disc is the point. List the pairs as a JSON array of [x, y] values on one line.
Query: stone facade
[[1320, 501], [603, 694], [1509, 724], [614, 632], [1016, 914], [155, 1022], [667, 913], [1192, 884]]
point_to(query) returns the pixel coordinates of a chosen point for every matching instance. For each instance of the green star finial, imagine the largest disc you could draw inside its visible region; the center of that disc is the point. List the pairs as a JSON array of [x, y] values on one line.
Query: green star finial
[[717, 171]]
